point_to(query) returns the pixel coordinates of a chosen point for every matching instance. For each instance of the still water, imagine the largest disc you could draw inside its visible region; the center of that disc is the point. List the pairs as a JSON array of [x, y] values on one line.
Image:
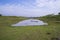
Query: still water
[[30, 22]]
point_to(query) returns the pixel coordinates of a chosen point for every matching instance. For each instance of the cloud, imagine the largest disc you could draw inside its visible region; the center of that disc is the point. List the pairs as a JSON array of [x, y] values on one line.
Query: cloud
[[51, 4], [18, 10], [37, 8]]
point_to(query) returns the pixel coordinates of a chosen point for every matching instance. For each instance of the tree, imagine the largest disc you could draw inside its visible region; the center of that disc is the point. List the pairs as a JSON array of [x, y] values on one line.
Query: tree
[[59, 13], [0, 14]]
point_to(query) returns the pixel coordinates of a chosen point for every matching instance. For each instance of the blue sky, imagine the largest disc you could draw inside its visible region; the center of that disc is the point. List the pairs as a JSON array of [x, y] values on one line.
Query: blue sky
[[29, 7]]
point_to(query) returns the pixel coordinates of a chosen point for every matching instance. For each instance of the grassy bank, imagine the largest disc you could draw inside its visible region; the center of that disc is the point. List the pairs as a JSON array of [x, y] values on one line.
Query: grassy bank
[[8, 32]]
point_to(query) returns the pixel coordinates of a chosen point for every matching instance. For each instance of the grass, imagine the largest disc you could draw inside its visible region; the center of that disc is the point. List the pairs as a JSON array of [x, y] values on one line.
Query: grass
[[8, 32]]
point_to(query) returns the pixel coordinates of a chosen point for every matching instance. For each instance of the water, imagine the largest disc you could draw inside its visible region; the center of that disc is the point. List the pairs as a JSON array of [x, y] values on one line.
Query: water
[[30, 22]]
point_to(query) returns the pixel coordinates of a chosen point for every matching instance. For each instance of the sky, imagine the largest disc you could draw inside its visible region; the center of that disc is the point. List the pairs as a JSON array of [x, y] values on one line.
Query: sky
[[29, 8]]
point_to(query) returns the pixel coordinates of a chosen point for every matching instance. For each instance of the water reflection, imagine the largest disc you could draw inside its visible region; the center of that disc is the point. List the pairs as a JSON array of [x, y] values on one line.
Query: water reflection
[[30, 22]]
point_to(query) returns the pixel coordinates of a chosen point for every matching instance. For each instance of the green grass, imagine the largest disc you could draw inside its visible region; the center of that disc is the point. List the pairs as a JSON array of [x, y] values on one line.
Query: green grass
[[8, 32]]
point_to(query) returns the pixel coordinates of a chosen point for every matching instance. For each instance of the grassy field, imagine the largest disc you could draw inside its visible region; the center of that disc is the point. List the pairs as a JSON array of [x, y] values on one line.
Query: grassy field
[[45, 32]]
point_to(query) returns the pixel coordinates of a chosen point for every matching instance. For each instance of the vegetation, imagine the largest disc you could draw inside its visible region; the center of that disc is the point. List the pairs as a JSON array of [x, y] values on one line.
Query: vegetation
[[59, 13], [0, 14], [45, 32], [51, 17]]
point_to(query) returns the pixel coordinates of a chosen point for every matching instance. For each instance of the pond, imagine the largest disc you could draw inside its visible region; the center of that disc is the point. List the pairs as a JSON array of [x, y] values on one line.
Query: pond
[[30, 22]]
